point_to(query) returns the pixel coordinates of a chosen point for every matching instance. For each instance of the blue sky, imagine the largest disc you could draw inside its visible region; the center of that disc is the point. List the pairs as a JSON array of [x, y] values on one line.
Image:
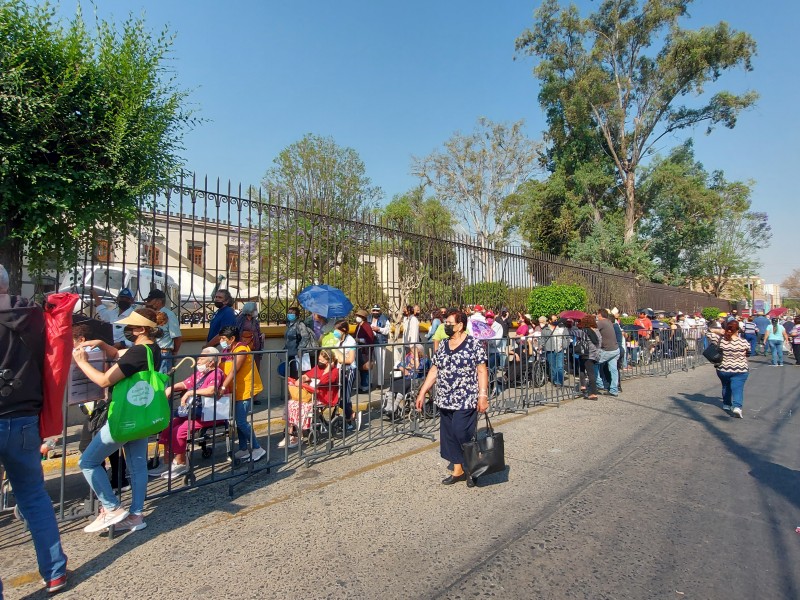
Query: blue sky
[[396, 79]]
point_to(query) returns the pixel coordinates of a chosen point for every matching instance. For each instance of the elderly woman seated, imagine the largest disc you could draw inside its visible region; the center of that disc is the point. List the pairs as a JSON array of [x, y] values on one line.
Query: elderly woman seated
[[317, 387], [204, 381], [414, 366]]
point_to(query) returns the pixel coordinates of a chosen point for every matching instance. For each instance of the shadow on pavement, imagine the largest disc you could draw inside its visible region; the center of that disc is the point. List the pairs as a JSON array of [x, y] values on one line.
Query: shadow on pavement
[[494, 478], [166, 514], [780, 479]]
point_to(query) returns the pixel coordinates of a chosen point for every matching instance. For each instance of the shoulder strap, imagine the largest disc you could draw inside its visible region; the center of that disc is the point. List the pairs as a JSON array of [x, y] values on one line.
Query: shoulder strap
[[149, 357]]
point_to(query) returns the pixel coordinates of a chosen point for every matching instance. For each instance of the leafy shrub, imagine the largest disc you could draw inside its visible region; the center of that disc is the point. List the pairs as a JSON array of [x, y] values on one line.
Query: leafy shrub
[[517, 299], [710, 313], [553, 299], [627, 320]]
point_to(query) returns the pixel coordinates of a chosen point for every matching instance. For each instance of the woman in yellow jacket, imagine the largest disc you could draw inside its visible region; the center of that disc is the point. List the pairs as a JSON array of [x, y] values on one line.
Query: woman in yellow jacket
[[243, 381]]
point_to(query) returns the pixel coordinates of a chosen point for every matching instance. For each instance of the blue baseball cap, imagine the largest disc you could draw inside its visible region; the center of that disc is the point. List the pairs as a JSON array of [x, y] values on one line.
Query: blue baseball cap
[[125, 293]]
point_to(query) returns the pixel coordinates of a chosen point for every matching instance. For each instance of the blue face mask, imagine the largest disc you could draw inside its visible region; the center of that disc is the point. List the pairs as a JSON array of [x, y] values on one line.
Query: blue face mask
[[337, 334], [291, 317], [224, 344]]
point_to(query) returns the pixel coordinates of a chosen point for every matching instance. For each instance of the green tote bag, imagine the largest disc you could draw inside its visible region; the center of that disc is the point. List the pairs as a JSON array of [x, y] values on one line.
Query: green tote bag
[[139, 406]]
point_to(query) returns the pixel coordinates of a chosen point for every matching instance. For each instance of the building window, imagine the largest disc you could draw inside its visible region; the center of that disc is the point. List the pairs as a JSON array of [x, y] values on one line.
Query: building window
[[151, 254], [196, 253], [101, 251], [233, 259]]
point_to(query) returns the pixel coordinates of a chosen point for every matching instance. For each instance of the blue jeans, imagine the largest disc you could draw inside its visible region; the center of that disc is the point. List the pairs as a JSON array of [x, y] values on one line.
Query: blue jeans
[[167, 360], [19, 453], [609, 357], [732, 387], [776, 347], [243, 429], [753, 339], [93, 458], [555, 364]]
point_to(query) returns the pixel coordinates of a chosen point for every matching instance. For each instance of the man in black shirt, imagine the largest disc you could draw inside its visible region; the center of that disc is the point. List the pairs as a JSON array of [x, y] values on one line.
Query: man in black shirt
[[21, 364]]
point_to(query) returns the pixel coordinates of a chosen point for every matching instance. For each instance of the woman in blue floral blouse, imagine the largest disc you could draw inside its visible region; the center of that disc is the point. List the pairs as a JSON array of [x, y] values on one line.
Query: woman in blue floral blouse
[[462, 391]]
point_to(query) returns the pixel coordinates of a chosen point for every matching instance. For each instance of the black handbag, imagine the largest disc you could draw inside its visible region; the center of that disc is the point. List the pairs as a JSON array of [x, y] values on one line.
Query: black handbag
[[485, 454], [713, 353]]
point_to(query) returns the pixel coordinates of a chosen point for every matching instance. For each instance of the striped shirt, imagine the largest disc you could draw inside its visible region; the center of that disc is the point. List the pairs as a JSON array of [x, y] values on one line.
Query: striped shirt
[[734, 353]]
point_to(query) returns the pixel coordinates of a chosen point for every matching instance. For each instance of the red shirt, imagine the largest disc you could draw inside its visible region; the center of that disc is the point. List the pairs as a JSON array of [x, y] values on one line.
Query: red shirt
[[645, 326], [327, 385]]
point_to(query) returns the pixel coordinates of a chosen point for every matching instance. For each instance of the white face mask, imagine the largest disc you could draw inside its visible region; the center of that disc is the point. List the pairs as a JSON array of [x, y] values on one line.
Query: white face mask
[[359, 320], [202, 367]]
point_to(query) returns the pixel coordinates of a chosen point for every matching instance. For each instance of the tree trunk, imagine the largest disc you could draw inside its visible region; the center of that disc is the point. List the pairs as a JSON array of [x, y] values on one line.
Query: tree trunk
[[11, 259], [631, 209]]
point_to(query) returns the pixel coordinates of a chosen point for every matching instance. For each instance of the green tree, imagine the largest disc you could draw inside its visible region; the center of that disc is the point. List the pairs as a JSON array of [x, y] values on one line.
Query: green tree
[[427, 271], [680, 214], [629, 64], [739, 234], [90, 122], [473, 175], [319, 192]]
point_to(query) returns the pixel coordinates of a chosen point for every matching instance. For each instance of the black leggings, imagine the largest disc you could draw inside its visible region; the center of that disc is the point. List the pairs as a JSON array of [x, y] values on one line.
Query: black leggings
[[587, 370], [796, 350]]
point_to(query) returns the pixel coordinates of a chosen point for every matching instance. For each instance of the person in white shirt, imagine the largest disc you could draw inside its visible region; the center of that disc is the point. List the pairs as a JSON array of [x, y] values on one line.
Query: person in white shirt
[[171, 336], [380, 325], [113, 314], [410, 327]]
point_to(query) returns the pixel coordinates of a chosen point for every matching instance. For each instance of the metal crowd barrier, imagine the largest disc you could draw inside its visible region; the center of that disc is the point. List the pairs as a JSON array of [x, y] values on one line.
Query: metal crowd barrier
[[522, 374]]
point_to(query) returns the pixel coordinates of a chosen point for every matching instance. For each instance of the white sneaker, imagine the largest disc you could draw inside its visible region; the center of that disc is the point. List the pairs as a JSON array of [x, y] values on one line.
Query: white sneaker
[[241, 454], [258, 454], [737, 412], [131, 523], [176, 471], [158, 471], [106, 519], [282, 443], [294, 442], [359, 420]]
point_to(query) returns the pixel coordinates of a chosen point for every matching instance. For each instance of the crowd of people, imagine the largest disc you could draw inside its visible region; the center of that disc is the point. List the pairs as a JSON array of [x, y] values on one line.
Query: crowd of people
[[469, 354]]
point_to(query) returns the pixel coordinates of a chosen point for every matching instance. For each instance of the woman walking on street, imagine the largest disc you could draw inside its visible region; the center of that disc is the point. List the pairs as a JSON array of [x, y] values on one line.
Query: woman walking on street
[[733, 370], [774, 338], [462, 391]]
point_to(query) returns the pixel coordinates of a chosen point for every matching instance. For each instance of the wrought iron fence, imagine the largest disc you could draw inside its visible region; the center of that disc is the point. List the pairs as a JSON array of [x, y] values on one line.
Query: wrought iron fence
[[196, 238]]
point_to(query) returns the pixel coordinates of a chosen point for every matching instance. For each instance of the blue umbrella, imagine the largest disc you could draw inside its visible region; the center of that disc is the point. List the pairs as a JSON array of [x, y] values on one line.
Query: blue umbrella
[[325, 300]]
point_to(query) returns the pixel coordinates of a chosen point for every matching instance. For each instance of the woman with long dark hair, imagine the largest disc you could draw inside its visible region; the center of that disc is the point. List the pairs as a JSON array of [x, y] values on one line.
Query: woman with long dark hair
[[733, 370]]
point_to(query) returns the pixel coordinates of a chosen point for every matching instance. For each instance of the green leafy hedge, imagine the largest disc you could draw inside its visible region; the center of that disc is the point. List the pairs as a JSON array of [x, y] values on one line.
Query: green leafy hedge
[[627, 320], [710, 313], [553, 299]]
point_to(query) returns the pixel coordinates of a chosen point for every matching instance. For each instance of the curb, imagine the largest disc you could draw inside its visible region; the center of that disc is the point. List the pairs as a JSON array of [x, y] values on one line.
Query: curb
[[53, 465], [261, 428]]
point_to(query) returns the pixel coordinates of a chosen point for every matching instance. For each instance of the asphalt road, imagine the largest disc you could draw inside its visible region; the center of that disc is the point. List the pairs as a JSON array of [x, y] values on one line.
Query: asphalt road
[[655, 494]]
